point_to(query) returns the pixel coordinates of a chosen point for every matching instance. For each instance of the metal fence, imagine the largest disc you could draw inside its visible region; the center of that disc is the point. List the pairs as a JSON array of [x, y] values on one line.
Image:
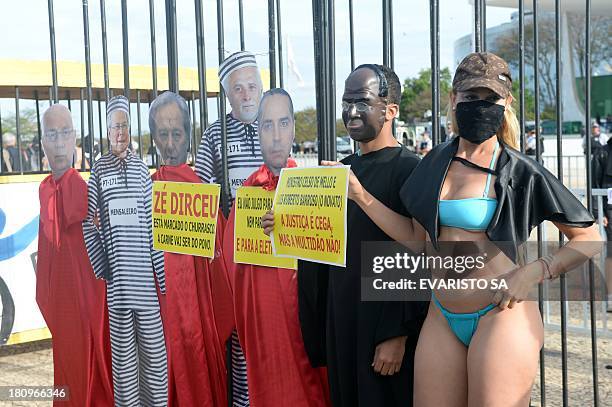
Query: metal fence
[[581, 323], [567, 168]]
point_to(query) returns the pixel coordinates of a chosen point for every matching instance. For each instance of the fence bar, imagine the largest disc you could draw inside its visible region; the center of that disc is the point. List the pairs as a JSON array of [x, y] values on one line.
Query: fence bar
[[391, 46], [88, 75], [271, 43], [201, 55], [139, 124], [152, 149], [153, 46], [226, 195], [331, 63], [101, 134], [53, 95], [589, 186], [280, 44], [193, 125], [559, 125], [325, 17], [83, 146], [40, 149], [172, 45], [351, 35], [522, 74], [477, 26], [18, 130], [434, 39], [126, 49], [536, 81], [317, 38], [241, 24], [104, 49], [68, 100], [385, 32], [483, 24]]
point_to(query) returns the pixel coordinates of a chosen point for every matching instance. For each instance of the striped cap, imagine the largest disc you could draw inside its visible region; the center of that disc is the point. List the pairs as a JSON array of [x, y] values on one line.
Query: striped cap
[[118, 102], [237, 60]]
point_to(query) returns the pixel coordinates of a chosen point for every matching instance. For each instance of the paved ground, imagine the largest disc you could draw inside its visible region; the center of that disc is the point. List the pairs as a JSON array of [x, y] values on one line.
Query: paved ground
[[29, 364], [32, 364]]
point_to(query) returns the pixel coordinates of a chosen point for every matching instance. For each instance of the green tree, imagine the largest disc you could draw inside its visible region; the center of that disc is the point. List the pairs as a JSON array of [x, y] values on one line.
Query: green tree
[[306, 125], [507, 47], [529, 102], [601, 43], [28, 127], [417, 94]]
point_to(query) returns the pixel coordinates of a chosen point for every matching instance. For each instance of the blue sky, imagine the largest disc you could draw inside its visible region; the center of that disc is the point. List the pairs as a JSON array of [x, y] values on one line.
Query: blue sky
[[24, 35]]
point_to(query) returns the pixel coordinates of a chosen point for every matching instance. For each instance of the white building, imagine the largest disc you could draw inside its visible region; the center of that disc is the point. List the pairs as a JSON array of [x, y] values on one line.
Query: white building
[[573, 109]]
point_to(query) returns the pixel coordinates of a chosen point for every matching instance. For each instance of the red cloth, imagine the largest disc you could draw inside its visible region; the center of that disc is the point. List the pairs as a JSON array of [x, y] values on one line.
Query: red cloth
[[197, 316], [70, 298], [266, 312]]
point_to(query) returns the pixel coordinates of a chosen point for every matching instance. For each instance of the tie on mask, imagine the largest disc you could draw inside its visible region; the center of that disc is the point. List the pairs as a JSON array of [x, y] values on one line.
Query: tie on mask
[[478, 120]]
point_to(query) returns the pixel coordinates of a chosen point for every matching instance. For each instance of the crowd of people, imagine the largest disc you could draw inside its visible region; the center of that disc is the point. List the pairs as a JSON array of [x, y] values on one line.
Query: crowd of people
[[153, 326]]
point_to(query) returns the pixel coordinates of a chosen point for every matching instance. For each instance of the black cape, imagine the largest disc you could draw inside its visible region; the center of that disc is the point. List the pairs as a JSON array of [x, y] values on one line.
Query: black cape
[[340, 330], [527, 194]]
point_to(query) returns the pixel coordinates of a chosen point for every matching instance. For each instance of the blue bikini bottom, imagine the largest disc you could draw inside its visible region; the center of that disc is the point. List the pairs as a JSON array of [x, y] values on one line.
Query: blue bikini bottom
[[463, 325]]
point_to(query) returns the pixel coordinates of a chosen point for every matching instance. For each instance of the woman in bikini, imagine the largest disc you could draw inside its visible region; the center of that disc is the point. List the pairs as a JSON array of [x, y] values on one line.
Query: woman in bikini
[[480, 347]]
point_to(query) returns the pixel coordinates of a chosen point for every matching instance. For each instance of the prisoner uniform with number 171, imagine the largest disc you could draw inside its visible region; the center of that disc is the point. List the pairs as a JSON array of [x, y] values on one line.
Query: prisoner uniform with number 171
[[120, 248]]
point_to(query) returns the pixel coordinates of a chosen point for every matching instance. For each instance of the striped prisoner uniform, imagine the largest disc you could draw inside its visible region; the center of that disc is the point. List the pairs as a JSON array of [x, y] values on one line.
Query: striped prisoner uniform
[[243, 153], [121, 252], [243, 158]]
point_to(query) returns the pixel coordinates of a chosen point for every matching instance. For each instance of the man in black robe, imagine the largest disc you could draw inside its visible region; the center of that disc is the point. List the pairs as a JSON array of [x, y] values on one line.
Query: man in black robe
[[368, 347]]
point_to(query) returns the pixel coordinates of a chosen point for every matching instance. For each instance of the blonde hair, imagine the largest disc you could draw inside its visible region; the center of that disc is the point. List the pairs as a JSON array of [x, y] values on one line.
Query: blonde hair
[[508, 133]]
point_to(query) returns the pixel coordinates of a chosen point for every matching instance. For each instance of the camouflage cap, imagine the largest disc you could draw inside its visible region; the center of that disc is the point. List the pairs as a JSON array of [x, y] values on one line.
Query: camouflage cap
[[483, 70]]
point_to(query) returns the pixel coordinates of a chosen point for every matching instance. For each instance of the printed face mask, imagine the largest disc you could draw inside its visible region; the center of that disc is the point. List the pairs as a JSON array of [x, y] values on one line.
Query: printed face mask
[[59, 139], [171, 140], [478, 120], [363, 111]]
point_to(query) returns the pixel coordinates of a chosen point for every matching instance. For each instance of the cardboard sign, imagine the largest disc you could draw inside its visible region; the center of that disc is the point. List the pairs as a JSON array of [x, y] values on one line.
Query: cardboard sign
[[185, 217], [310, 214], [251, 245]]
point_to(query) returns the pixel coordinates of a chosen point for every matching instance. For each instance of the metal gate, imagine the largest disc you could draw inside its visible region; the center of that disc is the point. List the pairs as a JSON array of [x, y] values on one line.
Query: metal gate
[[323, 28]]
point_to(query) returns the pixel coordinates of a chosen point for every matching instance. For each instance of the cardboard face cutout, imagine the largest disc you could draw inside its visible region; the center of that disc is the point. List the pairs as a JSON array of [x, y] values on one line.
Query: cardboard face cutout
[[276, 129], [363, 111], [171, 130], [59, 139], [244, 93], [118, 132]]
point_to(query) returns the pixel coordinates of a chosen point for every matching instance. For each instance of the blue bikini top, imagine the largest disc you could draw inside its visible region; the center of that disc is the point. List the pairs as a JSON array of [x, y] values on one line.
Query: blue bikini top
[[472, 214]]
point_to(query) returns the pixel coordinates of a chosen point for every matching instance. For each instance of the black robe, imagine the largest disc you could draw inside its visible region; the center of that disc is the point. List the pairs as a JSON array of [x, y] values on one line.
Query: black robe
[[345, 340], [527, 194]]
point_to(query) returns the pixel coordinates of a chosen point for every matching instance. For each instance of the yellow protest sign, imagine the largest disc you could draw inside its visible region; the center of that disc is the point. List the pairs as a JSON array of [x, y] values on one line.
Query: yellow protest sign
[[251, 245], [185, 217], [310, 214]]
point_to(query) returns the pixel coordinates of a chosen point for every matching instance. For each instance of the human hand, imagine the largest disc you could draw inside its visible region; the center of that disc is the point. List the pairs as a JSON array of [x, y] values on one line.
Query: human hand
[[96, 220], [389, 355], [356, 191], [267, 221], [520, 282]]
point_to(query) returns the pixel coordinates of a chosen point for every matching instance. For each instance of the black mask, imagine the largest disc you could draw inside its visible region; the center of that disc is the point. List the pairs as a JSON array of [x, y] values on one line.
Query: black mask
[[479, 120], [361, 85]]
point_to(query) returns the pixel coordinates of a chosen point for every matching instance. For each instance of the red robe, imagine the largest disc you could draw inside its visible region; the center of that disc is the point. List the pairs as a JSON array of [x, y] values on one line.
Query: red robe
[[197, 316], [266, 312], [70, 298]]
